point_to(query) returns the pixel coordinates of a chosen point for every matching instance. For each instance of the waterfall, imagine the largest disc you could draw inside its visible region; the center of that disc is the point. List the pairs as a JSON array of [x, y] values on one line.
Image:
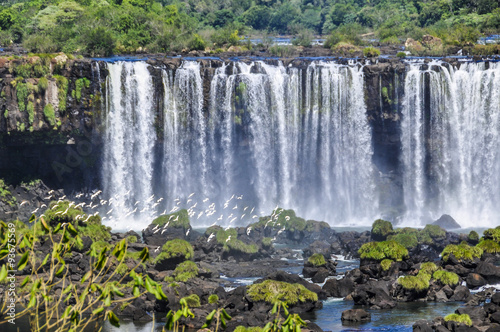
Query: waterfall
[[129, 140], [452, 164], [266, 134]]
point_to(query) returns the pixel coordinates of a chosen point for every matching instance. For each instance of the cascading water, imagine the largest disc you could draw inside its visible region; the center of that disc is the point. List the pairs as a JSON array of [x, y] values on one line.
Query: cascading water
[[128, 153], [452, 164], [269, 134]]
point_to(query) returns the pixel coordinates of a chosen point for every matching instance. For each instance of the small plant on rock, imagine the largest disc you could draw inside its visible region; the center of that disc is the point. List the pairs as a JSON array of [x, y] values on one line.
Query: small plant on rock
[[462, 319], [317, 260]]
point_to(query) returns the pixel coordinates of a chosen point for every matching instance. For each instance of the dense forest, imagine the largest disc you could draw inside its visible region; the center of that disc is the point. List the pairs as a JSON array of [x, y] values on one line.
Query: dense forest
[[103, 27]]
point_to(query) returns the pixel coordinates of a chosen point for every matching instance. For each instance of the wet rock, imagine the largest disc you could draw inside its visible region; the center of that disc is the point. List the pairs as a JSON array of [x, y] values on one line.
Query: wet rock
[[447, 222], [375, 294], [338, 288], [422, 326], [475, 280], [356, 315]]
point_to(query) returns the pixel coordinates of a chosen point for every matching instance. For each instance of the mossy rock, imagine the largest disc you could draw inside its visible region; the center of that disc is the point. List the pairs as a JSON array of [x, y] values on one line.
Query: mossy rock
[[193, 301], [379, 251], [461, 319], [317, 260], [185, 271], [230, 242], [409, 241], [428, 267], [271, 291], [432, 234], [381, 229], [173, 253], [446, 277], [489, 246], [386, 264], [287, 220], [492, 234], [267, 242], [462, 252], [213, 298], [473, 237], [418, 283], [179, 219]]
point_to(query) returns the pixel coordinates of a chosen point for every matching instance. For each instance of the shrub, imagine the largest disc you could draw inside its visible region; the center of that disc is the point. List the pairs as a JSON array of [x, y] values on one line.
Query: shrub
[[383, 250], [462, 319], [100, 42], [345, 49], [197, 43], [371, 52], [41, 43], [43, 83], [62, 91], [418, 283], [193, 301], [304, 38], [271, 291], [185, 271], [317, 260], [179, 219], [176, 248], [401, 55], [489, 246], [386, 264], [50, 115], [213, 298], [381, 229], [446, 278], [462, 252]]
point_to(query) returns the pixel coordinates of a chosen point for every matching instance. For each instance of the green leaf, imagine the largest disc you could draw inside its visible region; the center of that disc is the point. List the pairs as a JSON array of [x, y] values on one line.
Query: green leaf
[[275, 308], [119, 292], [136, 291], [46, 259], [144, 255], [107, 301], [32, 218], [211, 315], [66, 312], [98, 311], [67, 289], [149, 287], [44, 225], [177, 315], [113, 319], [57, 228], [86, 276], [23, 261], [25, 281], [169, 320], [225, 314], [32, 302], [72, 230], [3, 273], [60, 270]]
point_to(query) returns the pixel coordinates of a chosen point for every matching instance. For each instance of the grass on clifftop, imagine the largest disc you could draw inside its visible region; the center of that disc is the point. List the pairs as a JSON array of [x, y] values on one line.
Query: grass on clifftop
[[178, 219], [271, 291], [383, 250]]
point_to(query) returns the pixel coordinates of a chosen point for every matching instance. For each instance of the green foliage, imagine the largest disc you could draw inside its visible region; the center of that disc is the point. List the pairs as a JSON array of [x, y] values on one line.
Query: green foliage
[[62, 91], [401, 55], [176, 248], [197, 43], [99, 42], [462, 252], [462, 319], [381, 229], [272, 291], [489, 246], [370, 52], [50, 114], [383, 250], [248, 329], [446, 278], [43, 83], [22, 93], [179, 219], [287, 220], [193, 301], [6, 195], [304, 38], [386, 264], [473, 236], [31, 112], [409, 241], [317, 260], [213, 298], [226, 37], [79, 85], [185, 271], [229, 239]]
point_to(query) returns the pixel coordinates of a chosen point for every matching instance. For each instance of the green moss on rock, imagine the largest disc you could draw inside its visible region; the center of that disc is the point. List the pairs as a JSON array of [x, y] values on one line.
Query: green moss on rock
[[176, 248], [492, 234], [267, 242], [473, 236], [489, 246], [271, 291], [281, 218], [317, 260], [462, 319], [381, 229], [383, 250], [446, 278], [462, 252], [179, 219], [193, 301], [386, 264], [213, 298], [428, 267], [185, 271], [50, 114], [417, 283]]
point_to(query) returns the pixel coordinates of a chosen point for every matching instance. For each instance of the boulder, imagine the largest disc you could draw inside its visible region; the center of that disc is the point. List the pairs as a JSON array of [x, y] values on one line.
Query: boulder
[[461, 293], [422, 326], [495, 298], [373, 293], [338, 288], [356, 315], [447, 222], [475, 280]]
